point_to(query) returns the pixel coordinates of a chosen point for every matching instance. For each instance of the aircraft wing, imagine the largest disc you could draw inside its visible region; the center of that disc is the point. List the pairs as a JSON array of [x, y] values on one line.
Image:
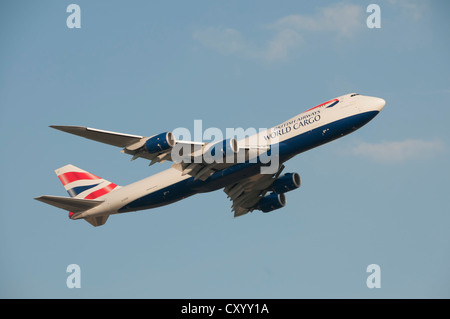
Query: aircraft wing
[[158, 149], [107, 137], [131, 144], [246, 194]]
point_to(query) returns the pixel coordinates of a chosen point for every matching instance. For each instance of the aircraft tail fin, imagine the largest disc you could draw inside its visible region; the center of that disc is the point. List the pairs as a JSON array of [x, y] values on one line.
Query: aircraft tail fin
[[84, 185], [85, 189]]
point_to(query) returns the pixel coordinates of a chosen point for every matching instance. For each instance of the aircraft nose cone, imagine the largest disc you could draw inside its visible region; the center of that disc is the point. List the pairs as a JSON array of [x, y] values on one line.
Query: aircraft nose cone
[[376, 103], [380, 104]]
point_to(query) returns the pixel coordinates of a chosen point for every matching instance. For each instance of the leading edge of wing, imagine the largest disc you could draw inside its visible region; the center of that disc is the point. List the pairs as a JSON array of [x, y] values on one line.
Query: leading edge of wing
[[107, 137]]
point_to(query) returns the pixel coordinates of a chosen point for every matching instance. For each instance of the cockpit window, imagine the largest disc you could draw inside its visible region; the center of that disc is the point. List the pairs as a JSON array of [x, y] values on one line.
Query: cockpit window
[[354, 95]]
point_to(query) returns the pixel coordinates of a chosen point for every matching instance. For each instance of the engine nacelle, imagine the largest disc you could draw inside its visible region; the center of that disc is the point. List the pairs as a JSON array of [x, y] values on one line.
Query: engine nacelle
[[272, 202], [222, 149], [160, 142], [286, 183]]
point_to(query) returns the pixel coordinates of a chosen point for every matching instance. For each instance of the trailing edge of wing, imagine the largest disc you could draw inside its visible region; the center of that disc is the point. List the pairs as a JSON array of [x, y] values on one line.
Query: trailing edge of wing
[[107, 137], [75, 205]]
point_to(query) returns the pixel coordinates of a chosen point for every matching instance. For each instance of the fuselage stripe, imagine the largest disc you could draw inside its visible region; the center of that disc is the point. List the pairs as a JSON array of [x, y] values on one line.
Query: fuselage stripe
[[315, 107]]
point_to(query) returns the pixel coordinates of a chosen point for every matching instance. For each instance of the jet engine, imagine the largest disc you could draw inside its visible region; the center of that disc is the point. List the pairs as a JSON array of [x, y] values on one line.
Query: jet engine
[[160, 142], [222, 149], [286, 183], [271, 202]]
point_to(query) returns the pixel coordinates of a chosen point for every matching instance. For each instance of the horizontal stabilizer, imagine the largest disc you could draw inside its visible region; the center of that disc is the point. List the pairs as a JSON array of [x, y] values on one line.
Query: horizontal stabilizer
[[75, 205], [107, 137]]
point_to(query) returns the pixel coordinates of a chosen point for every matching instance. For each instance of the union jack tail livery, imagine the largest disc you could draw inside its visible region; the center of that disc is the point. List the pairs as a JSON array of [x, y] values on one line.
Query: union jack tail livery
[[86, 190], [81, 184]]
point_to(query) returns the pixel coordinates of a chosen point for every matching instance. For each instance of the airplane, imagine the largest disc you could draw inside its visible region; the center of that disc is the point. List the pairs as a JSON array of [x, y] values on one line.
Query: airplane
[[94, 199]]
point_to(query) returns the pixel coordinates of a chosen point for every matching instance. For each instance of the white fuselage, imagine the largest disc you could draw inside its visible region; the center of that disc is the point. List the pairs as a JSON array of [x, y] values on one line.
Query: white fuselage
[[309, 129]]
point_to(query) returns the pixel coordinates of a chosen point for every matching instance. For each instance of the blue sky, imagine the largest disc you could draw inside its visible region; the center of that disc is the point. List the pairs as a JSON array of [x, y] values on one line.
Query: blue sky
[[377, 196]]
